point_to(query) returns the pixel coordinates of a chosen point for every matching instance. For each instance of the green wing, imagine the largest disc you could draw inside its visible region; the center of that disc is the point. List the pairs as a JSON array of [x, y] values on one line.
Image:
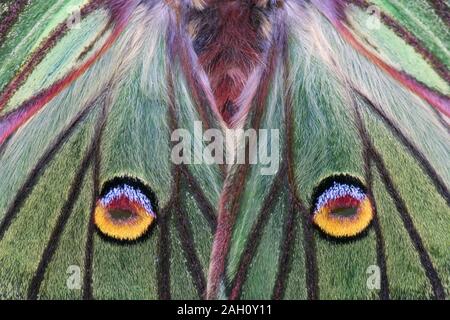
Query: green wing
[[111, 120], [90, 96], [349, 108]]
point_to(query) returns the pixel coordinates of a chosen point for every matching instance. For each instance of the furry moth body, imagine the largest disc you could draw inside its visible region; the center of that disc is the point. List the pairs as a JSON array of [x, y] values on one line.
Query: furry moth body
[[363, 116]]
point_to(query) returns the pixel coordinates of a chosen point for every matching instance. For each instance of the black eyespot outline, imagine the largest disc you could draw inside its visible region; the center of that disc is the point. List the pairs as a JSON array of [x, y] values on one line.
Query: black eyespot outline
[[324, 185], [142, 187], [328, 182]]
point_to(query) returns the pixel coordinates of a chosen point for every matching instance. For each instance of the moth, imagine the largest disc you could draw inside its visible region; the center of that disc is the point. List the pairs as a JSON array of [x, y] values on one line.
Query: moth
[[92, 205]]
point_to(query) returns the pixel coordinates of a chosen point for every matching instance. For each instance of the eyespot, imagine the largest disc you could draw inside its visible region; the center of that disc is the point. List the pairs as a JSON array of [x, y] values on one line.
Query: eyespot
[[342, 208], [125, 209]]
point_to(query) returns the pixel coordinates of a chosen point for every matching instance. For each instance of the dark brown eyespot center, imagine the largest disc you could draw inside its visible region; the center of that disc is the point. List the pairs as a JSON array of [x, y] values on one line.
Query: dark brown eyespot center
[[120, 215], [345, 212]]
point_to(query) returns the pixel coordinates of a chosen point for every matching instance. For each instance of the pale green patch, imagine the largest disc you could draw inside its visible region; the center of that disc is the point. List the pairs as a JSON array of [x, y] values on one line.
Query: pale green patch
[[397, 52], [419, 18], [62, 59]]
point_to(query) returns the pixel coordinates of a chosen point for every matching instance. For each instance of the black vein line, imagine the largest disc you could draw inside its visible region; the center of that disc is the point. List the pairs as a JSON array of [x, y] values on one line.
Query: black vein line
[[89, 247], [405, 216], [39, 54], [97, 38], [384, 293], [10, 17], [417, 241], [256, 233], [410, 38], [164, 245], [442, 10], [286, 248], [203, 203], [164, 255], [66, 212], [5, 145], [401, 207], [309, 242], [39, 169], [412, 149], [441, 119], [192, 261]]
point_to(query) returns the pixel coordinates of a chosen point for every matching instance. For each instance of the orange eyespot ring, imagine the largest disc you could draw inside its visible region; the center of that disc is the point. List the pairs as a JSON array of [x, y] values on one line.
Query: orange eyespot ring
[[125, 210], [342, 208]]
